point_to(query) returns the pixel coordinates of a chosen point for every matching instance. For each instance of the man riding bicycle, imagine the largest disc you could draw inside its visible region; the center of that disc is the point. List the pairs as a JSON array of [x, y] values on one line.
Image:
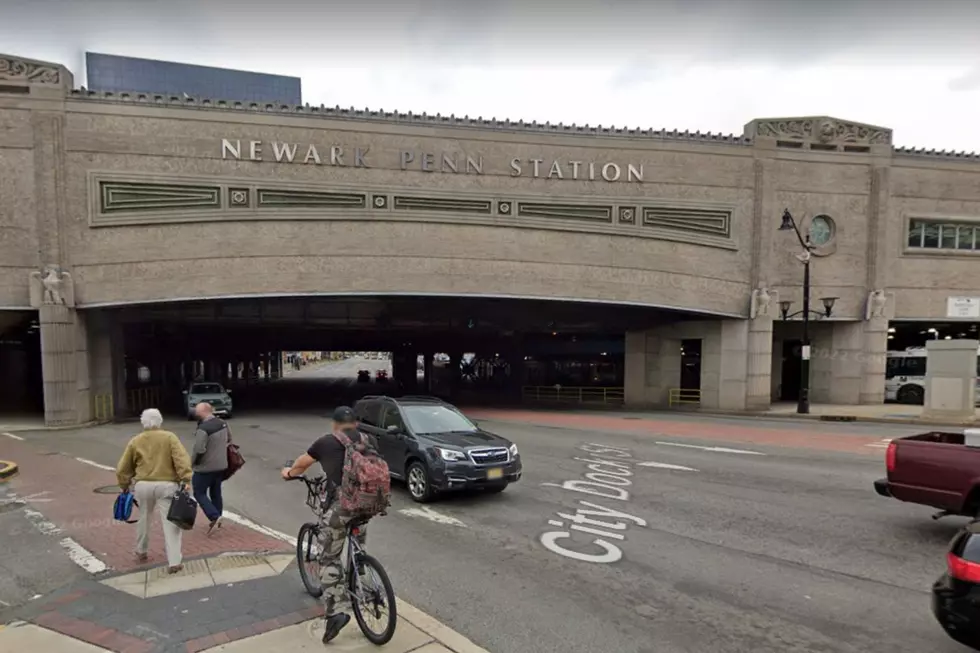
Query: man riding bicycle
[[330, 451]]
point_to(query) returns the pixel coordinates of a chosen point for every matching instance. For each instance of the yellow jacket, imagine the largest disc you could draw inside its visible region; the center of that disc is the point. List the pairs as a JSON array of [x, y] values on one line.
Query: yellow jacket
[[154, 455]]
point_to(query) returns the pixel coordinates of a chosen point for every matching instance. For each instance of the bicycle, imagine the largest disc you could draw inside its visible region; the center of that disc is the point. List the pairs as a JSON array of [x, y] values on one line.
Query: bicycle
[[365, 601]]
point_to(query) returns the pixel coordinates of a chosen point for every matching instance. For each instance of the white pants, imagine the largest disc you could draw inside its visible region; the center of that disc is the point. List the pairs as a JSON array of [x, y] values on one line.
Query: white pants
[[157, 493]]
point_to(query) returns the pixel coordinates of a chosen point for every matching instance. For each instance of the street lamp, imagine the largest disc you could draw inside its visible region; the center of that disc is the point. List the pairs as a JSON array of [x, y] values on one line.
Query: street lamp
[[789, 224]]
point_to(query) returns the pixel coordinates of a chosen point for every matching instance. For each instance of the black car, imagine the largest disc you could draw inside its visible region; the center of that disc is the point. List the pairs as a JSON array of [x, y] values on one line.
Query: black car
[[956, 595], [434, 448]]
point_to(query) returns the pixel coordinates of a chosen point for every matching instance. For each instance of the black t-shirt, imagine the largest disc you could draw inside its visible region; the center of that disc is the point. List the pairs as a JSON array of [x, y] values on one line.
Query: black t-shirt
[[328, 451]]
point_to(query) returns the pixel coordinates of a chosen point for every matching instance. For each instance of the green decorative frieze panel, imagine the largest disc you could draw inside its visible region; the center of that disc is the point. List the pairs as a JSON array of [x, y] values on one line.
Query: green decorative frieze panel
[[269, 199], [714, 222], [403, 202], [592, 213], [130, 197]]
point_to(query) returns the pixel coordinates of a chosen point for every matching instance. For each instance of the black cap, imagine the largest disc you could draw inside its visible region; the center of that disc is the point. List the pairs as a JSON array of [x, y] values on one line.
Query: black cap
[[344, 415]]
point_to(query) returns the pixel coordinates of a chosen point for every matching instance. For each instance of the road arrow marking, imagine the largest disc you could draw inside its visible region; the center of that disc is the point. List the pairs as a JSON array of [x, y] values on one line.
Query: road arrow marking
[[432, 515], [679, 468], [714, 449]]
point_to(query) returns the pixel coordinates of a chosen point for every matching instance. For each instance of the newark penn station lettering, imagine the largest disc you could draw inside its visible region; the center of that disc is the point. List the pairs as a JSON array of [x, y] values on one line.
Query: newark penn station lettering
[[448, 163]]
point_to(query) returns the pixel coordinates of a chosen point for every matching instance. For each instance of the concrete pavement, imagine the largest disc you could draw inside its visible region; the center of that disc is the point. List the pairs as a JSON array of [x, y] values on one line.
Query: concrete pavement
[[769, 541]]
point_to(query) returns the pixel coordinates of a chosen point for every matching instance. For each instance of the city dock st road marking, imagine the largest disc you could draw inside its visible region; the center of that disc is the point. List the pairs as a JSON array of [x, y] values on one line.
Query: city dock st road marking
[[713, 449], [609, 476]]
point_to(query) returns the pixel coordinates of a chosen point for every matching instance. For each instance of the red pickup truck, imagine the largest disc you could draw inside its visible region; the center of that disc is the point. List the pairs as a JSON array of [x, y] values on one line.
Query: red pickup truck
[[936, 469]]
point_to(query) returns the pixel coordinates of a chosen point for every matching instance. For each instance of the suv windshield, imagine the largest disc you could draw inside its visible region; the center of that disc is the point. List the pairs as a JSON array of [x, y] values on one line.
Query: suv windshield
[[206, 389], [436, 419]]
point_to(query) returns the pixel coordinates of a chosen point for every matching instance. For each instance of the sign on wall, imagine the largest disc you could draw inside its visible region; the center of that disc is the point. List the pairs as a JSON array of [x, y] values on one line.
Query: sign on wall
[[963, 307]]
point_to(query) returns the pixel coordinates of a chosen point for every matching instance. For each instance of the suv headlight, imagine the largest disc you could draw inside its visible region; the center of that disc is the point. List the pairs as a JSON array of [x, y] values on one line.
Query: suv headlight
[[513, 451], [451, 455]]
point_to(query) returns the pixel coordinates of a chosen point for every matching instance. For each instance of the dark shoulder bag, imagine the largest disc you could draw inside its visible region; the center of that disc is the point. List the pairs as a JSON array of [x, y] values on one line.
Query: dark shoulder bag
[[235, 459]]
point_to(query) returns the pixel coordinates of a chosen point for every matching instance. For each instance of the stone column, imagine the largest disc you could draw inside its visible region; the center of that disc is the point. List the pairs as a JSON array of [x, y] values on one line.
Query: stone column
[[759, 363], [59, 364], [874, 361], [758, 390], [652, 366], [724, 364], [837, 367], [427, 372]]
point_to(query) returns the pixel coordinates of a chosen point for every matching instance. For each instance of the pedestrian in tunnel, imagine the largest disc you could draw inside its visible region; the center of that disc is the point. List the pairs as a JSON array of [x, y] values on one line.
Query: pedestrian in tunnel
[[156, 465], [210, 463]]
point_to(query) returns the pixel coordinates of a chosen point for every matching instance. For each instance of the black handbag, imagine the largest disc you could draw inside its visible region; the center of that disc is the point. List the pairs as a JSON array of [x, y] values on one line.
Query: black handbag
[[183, 510]]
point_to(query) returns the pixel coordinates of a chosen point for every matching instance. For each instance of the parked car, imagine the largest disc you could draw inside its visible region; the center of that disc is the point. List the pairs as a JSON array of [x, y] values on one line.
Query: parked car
[[208, 392], [934, 469], [956, 595], [434, 448], [381, 376], [363, 376]]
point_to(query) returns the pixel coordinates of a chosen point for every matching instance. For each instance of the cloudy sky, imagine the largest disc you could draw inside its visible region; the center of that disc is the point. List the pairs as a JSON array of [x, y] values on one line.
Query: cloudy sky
[[709, 65]]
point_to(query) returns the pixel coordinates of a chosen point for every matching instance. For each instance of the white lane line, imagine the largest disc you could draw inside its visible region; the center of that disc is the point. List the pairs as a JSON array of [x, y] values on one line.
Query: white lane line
[[680, 468], [877, 446], [714, 449], [15, 437], [95, 464], [82, 556], [432, 515], [248, 523]]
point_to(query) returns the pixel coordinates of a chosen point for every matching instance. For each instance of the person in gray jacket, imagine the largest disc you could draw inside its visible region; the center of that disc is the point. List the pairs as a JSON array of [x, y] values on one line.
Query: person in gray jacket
[[210, 460]]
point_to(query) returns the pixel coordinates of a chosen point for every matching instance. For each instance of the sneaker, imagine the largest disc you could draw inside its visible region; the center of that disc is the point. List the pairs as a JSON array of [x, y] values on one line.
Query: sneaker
[[333, 625]]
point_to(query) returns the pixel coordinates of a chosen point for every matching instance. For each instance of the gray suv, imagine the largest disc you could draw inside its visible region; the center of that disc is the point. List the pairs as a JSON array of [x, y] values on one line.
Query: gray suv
[[434, 448]]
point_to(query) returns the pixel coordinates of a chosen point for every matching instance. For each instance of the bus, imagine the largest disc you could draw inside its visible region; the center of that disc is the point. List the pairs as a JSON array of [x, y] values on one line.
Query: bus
[[905, 376]]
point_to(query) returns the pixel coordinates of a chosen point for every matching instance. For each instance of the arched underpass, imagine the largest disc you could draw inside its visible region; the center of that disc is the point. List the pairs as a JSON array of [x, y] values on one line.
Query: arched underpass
[[492, 349]]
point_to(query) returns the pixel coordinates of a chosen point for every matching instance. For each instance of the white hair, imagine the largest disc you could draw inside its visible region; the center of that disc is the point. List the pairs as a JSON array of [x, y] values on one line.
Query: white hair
[[151, 419]]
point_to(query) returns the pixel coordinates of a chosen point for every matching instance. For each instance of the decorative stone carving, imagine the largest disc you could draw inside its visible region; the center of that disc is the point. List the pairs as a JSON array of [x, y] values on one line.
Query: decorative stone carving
[[822, 130], [877, 305], [52, 287], [762, 301], [25, 71]]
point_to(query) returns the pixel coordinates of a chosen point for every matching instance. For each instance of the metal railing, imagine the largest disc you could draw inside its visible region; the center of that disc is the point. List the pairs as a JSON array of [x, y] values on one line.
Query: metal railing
[[139, 399], [570, 395], [683, 397], [102, 409]]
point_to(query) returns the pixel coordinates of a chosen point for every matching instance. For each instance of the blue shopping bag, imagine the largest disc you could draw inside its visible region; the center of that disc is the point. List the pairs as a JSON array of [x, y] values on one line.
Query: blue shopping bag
[[122, 510]]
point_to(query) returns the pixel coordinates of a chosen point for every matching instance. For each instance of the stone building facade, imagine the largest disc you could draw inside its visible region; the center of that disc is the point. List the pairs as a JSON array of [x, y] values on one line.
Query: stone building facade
[[109, 200]]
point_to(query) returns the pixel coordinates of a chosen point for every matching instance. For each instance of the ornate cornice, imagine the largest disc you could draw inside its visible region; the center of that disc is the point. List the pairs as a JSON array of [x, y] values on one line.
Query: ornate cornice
[[29, 72], [923, 152], [819, 130], [369, 115]]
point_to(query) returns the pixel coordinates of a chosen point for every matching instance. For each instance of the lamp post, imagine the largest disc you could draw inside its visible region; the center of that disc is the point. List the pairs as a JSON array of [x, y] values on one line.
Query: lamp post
[[789, 224]]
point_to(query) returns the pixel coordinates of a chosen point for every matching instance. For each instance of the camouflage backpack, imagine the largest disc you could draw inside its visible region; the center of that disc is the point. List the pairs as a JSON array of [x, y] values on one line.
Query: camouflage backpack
[[365, 488]]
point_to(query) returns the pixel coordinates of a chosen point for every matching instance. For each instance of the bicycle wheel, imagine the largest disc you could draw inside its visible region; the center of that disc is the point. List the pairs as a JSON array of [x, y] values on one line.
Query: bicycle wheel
[[373, 600], [308, 558]]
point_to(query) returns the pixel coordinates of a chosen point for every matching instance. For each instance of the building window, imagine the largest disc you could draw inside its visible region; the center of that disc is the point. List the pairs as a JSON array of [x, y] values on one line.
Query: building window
[[821, 230], [933, 234]]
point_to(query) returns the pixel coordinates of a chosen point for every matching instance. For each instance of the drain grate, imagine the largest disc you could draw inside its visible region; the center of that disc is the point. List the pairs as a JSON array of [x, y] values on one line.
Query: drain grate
[[107, 489]]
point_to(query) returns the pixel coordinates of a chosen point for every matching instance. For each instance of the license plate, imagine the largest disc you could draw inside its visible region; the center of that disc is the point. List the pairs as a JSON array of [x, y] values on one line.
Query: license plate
[[494, 474]]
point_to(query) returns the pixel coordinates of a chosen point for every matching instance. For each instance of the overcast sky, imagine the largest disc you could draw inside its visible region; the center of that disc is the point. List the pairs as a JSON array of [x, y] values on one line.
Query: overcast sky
[[708, 65]]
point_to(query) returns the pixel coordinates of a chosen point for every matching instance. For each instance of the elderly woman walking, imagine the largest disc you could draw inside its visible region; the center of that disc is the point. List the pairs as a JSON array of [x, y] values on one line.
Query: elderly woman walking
[[158, 464]]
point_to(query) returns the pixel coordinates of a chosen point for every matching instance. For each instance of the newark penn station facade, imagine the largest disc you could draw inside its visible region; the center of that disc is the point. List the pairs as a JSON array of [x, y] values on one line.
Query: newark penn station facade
[[113, 204]]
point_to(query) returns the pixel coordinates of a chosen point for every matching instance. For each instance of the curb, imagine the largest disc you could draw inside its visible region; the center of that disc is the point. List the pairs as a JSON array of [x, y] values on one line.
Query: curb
[[7, 469], [918, 421]]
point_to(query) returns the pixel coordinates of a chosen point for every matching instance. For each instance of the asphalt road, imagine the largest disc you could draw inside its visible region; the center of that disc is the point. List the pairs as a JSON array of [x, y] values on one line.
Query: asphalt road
[[789, 551]]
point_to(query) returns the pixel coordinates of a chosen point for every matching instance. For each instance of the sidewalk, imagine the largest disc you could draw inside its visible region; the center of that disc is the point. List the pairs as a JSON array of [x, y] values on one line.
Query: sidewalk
[[239, 591], [238, 604]]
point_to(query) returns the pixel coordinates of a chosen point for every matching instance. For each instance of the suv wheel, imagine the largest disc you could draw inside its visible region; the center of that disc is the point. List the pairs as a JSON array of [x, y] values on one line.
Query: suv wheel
[[417, 480]]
